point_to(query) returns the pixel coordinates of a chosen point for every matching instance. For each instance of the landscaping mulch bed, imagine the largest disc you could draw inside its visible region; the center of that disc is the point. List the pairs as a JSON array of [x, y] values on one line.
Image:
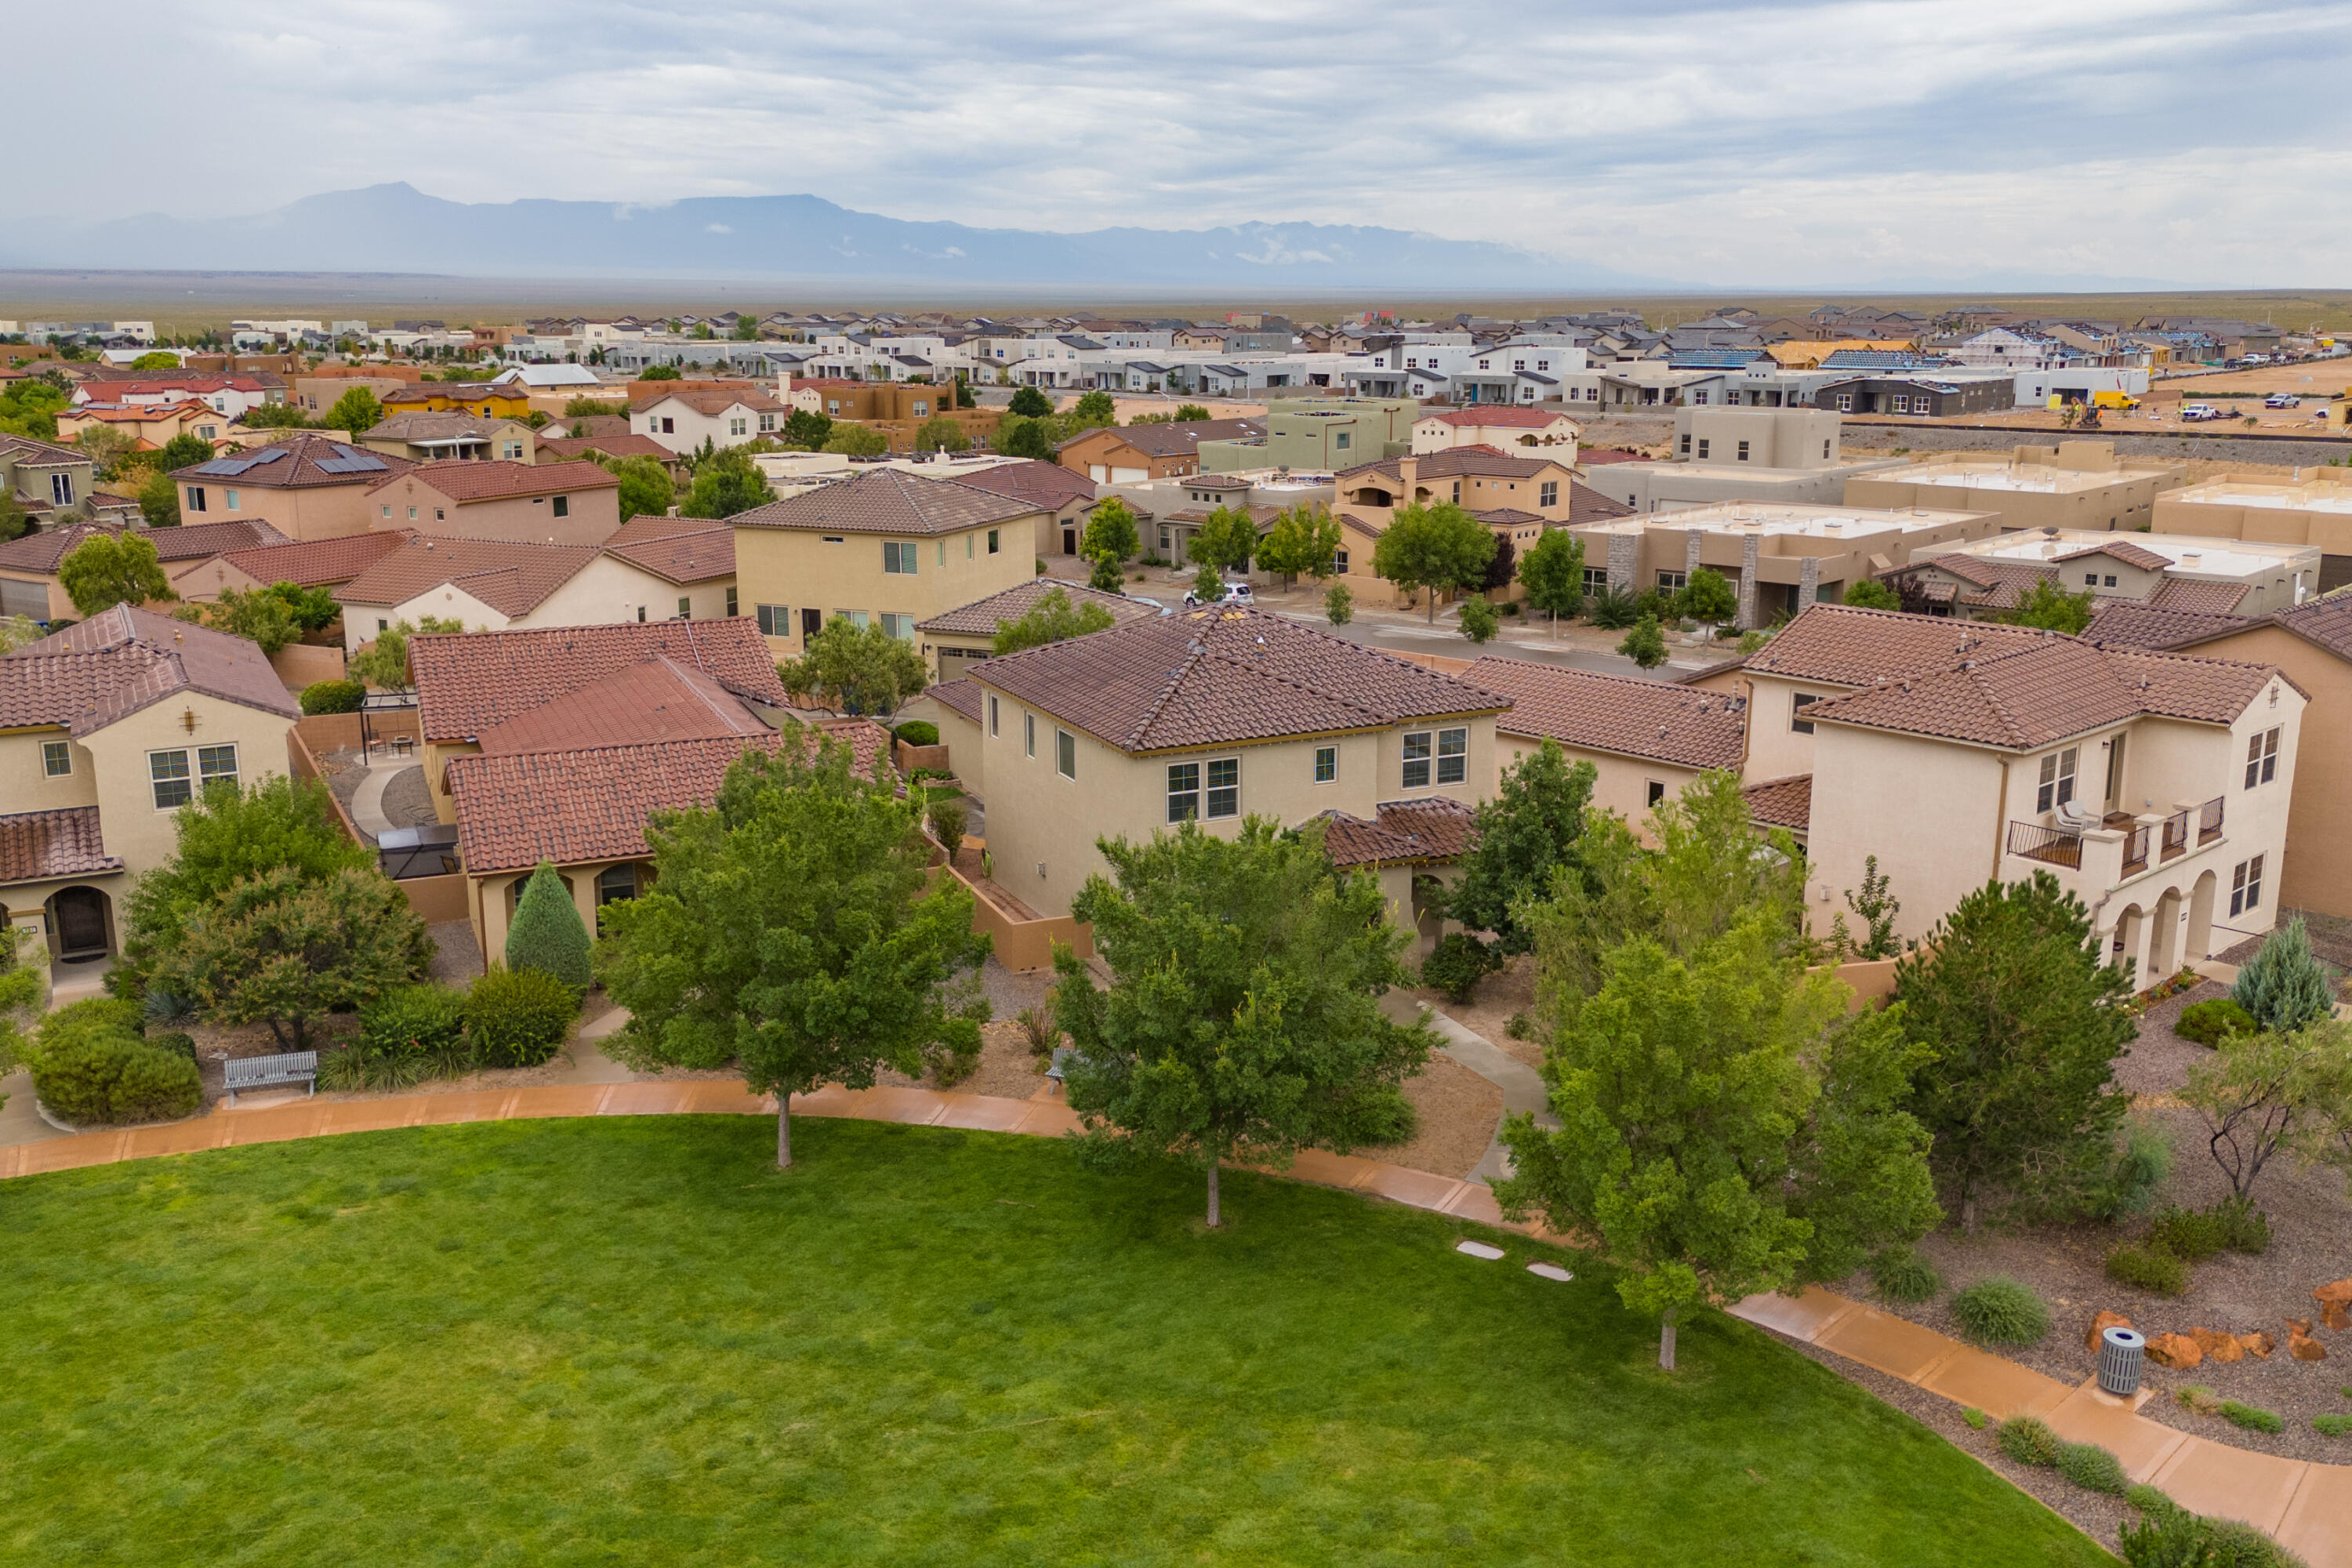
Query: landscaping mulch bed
[[1458, 1112]]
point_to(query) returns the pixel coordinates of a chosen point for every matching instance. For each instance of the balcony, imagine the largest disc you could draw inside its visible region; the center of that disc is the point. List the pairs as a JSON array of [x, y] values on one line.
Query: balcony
[[2191, 828], [2051, 846]]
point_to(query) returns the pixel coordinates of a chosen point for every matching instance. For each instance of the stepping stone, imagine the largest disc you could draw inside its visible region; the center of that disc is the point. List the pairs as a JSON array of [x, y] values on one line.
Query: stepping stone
[[1550, 1271], [1478, 1249]]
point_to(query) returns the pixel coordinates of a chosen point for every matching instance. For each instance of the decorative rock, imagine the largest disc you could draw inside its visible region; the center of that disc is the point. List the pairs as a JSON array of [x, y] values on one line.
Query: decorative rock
[[1478, 1249], [2257, 1344], [2100, 1325], [2298, 1325], [2218, 1346], [1550, 1271], [2176, 1351], [2335, 1304], [2303, 1347]]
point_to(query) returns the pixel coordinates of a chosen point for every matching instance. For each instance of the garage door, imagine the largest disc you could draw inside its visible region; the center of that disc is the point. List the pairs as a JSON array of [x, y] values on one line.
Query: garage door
[[24, 598]]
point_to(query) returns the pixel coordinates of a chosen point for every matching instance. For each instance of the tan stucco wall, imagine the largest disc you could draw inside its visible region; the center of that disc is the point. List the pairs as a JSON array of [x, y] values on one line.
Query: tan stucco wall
[[2123, 504], [606, 591], [319, 512], [487, 900], [1774, 750], [798, 569], [60, 603], [595, 515], [1620, 783], [1928, 811], [2318, 850], [25, 784]]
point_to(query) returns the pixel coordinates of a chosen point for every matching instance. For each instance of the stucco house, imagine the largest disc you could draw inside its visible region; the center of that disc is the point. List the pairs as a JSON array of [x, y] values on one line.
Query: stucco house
[[308, 486], [695, 555], [525, 504], [1646, 739], [954, 641], [683, 420], [494, 585], [432, 438], [1064, 496], [29, 584], [1499, 425]]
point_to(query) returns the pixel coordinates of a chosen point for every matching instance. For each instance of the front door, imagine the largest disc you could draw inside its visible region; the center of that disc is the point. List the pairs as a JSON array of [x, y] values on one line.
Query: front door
[[1069, 542], [811, 622], [81, 923]]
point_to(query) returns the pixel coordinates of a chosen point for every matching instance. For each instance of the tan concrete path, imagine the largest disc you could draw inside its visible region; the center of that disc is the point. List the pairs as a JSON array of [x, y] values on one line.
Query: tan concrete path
[[2306, 1505]]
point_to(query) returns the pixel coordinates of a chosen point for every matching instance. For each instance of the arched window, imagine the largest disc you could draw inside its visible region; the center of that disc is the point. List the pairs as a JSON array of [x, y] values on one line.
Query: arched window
[[616, 882]]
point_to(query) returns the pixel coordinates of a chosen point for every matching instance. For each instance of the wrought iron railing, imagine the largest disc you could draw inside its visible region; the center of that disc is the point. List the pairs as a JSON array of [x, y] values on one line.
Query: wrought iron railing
[[2034, 842], [2175, 836], [2209, 822], [2136, 851]]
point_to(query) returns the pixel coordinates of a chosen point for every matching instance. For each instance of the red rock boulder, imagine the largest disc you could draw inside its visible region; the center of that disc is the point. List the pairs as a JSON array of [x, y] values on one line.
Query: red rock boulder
[[2100, 1325], [2256, 1344], [2216, 1345], [2335, 1304], [2303, 1347], [2178, 1351]]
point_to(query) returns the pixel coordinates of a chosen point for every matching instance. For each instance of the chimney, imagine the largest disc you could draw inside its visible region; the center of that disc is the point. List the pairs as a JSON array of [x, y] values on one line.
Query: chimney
[[1408, 473]]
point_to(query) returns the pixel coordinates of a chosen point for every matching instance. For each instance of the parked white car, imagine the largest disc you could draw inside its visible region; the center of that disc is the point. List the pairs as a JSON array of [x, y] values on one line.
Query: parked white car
[[1235, 594], [2281, 400], [2194, 411]]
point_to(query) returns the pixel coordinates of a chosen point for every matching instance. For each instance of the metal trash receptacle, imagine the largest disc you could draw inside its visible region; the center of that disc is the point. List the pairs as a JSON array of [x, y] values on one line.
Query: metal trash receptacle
[[2122, 1352]]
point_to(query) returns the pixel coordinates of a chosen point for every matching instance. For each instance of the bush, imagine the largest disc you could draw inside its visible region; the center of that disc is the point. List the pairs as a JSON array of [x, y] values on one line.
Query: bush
[[2191, 1235], [1456, 965], [333, 696], [2244, 1228], [2029, 1440], [2138, 1175], [1037, 1031], [517, 1018], [424, 1022], [2332, 1425], [156, 1086], [2198, 1397], [1521, 1027], [1900, 1274], [2207, 1022], [2148, 1268], [948, 823], [950, 1067], [1977, 1419], [1999, 1311], [91, 1068], [176, 1043], [917, 733], [2284, 987], [547, 933], [2169, 1536], [2251, 1418], [2093, 1469], [1338, 605], [79, 1021]]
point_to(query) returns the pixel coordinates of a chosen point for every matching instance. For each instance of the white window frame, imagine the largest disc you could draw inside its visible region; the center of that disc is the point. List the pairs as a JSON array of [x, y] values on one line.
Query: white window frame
[[1066, 754], [2246, 887], [1183, 792], [1327, 765], [1222, 796], [2262, 757], [1453, 756], [1417, 760], [2055, 786]]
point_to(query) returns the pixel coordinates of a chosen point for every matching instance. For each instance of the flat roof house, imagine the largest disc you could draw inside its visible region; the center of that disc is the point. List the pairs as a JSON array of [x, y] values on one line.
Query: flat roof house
[[2073, 485], [2313, 512], [1791, 455], [2164, 572]]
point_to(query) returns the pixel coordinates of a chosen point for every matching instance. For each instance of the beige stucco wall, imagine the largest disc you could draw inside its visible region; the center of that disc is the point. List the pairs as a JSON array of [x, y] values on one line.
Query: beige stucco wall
[[1928, 811], [1620, 783], [25, 784], [2122, 503], [1774, 750], [799, 569], [2319, 851], [317, 511], [606, 591], [60, 604], [487, 899]]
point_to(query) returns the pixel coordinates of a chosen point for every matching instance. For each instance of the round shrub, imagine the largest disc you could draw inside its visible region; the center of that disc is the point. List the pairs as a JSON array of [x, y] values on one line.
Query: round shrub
[[176, 1043], [2029, 1440], [1900, 1274], [425, 1021], [2193, 1234], [97, 1079], [2093, 1469], [519, 1017], [157, 1086], [2147, 1268], [1456, 965], [334, 697], [917, 733], [92, 1020], [1999, 1311], [2208, 1021], [2244, 1228]]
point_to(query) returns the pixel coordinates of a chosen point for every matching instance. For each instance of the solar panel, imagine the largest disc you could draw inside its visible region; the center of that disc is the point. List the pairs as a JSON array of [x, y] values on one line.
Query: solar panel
[[351, 460], [230, 467]]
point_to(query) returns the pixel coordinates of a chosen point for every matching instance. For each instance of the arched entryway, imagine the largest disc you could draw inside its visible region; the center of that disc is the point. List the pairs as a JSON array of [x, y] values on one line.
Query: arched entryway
[[2200, 920], [81, 923], [2164, 941], [2129, 951]]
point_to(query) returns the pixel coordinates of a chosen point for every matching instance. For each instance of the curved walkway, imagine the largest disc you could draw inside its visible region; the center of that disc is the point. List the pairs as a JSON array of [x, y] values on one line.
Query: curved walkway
[[2306, 1506]]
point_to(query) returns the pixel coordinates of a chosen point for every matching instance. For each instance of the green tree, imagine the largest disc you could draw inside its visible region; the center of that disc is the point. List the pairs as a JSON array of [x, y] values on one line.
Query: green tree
[[856, 440], [105, 446], [747, 328], [2052, 608], [1870, 593], [1243, 1019], [2013, 994], [1479, 621], [15, 631], [182, 451], [29, 407], [1877, 908], [547, 934], [963, 398], [1699, 1143], [1338, 605], [1303, 542], [356, 411], [1646, 645], [105, 570], [278, 948], [865, 669], [726, 484], [314, 609], [1525, 835], [941, 433], [15, 523], [20, 996], [595, 408], [2284, 987], [806, 430], [265, 617], [1188, 411], [1553, 573], [1111, 534], [1052, 618], [789, 930], [1106, 576], [658, 373], [1022, 437], [645, 486], [1226, 540], [1707, 596], [1031, 404], [275, 416], [1092, 411], [158, 501], [383, 664], [158, 360], [1436, 547]]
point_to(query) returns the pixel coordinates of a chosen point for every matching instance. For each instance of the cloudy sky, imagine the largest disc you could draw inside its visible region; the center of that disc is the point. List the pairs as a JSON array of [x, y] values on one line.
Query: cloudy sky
[[1775, 143]]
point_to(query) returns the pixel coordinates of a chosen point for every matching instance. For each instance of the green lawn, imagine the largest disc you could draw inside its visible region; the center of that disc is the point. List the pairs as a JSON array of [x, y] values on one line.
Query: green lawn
[[633, 1342]]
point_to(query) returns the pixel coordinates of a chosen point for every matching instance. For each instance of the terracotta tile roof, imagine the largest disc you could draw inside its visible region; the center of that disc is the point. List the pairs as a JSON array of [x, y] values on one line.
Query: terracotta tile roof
[[1455, 461], [1985, 584], [2326, 621], [682, 558], [40, 844], [983, 618], [1620, 713], [1586, 505], [1781, 803], [121, 659], [1408, 831], [464, 481], [1214, 677], [2123, 549], [470, 683], [1495, 417], [959, 697], [2128, 622], [454, 390], [427, 425], [32, 453], [1172, 439], [303, 461], [1844, 646], [2198, 597], [714, 401], [604, 426], [570, 807], [512, 579], [649, 525], [658, 701], [622, 444], [1048, 486], [318, 561], [148, 383], [199, 542], [887, 501]]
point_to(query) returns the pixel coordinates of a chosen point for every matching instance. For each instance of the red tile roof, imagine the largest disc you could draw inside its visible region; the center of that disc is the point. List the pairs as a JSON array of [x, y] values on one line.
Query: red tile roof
[[887, 500], [1783, 803], [1404, 832], [711, 402], [2123, 549], [1216, 677], [1841, 645], [577, 806], [696, 555], [1481, 460], [120, 660], [464, 481], [37, 845], [657, 701], [2325, 622], [959, 697], [197, 541], [1619, 713], [2197, 597], [621, 445], [1048, 486], [984, 617], [318, 563], [470, 683], [2128, 622], [512, 579], [1170, 439]]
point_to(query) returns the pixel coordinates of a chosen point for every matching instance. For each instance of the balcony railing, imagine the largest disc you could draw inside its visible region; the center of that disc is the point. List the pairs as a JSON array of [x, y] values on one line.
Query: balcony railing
[[2175, 836], [2047, 845], [2136, 851], [2209, 822]]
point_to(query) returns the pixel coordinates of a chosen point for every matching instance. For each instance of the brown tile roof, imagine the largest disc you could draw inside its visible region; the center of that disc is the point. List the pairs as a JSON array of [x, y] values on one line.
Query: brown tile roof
[[303, 461], [1172, 439], [464, 481], [2123, 549], [654, 525], [1047, 486], [2326, 622], [2198, 597], [455, 391], [1408, 831], [1498, 416], [695, 555], [570, 807], [1991, 584], [1841, 645], [983, 618], [198, 542], [657, 701], [2128, 622], [887, 501], [1214, 677], [606, 426], [1586, 505], [470, 683], [121, 659], [1620, 713], [427, 425], [318, 563], [622, 444], [714, 401], [1456, 461], [959, 697], [1781, 803], [512, 579], [36, 845]]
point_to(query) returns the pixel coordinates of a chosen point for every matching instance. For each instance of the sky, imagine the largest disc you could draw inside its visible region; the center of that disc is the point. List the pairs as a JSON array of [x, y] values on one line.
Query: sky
[[1773, 143]]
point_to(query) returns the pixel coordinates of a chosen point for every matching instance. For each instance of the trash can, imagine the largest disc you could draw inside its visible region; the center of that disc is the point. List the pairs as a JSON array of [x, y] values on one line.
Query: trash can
[[2120, 1354]]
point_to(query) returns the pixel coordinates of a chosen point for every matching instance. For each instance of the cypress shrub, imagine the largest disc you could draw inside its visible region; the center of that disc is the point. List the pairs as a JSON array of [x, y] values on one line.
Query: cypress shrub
[[548, 935]]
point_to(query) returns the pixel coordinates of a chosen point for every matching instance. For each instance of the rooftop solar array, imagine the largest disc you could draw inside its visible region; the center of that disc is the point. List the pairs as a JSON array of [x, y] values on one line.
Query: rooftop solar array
[[230, 467]]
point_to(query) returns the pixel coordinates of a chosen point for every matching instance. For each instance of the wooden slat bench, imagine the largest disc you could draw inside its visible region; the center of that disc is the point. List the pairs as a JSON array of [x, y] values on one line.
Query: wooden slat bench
[[259, 1072]]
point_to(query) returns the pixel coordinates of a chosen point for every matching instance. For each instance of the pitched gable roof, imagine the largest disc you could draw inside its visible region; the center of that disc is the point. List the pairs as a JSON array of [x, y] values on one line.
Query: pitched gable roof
[[197, 541], [689, 555], [303, 461], [314, 562], [1620, 713], [462, 480], [659, 701], [120, 660], [1841, 645], [513, 579], [1049, 486], [887, 500], [468, 683], [38, 845], [1402, 832], [1172, 439], [983, 618], [2128, 623]]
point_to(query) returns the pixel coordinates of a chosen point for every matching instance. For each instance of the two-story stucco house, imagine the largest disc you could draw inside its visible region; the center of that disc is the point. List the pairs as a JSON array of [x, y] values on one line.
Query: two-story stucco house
[[724, 416]]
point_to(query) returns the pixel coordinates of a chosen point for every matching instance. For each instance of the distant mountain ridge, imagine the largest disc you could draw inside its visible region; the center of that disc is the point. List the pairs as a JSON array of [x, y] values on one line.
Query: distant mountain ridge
[[398, 228]]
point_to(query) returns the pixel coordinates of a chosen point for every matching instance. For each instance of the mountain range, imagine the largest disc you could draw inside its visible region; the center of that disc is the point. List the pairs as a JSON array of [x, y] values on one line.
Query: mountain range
[[398, 228]]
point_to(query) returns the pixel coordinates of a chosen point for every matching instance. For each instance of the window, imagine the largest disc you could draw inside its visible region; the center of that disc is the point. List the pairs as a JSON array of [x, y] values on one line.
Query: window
[[2090, 579], [1596, 579], [1226, 787], [733, 607], [685, 608], [2262, 758], [2111, 576], [195, 498], [1416, 761], [2057, 785], [1685, 447], [387, 511], [169, 772], [738, 427], [1339, 441], [854, 617], [1797, 706], [57, 758], [1825, 451], [1327, 763], [615, 883], [1899, 404], [767, 424], [668, 428], [2246, 886], [1655, 793], [1702, 448], [1673, 579], [1548, 493], [992, 716], [898, 558], [1029, 734], [564, 506], [775, 620], [228, 497], [1183, 791], [511, 451], [412, 514], [899, 627], [1743, 451], [1845, 401], [1453, 757], [1700, 396], [1065, 753], [995, 544], [1457, 492], [921, 408]]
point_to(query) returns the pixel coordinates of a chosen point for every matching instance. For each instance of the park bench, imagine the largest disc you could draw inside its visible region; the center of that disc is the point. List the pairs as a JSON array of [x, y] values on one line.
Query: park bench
[[259, 1072], [1053, 1073]]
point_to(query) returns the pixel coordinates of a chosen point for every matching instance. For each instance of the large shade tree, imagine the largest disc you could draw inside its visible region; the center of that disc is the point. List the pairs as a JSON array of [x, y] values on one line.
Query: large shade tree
[[1433, 546]]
